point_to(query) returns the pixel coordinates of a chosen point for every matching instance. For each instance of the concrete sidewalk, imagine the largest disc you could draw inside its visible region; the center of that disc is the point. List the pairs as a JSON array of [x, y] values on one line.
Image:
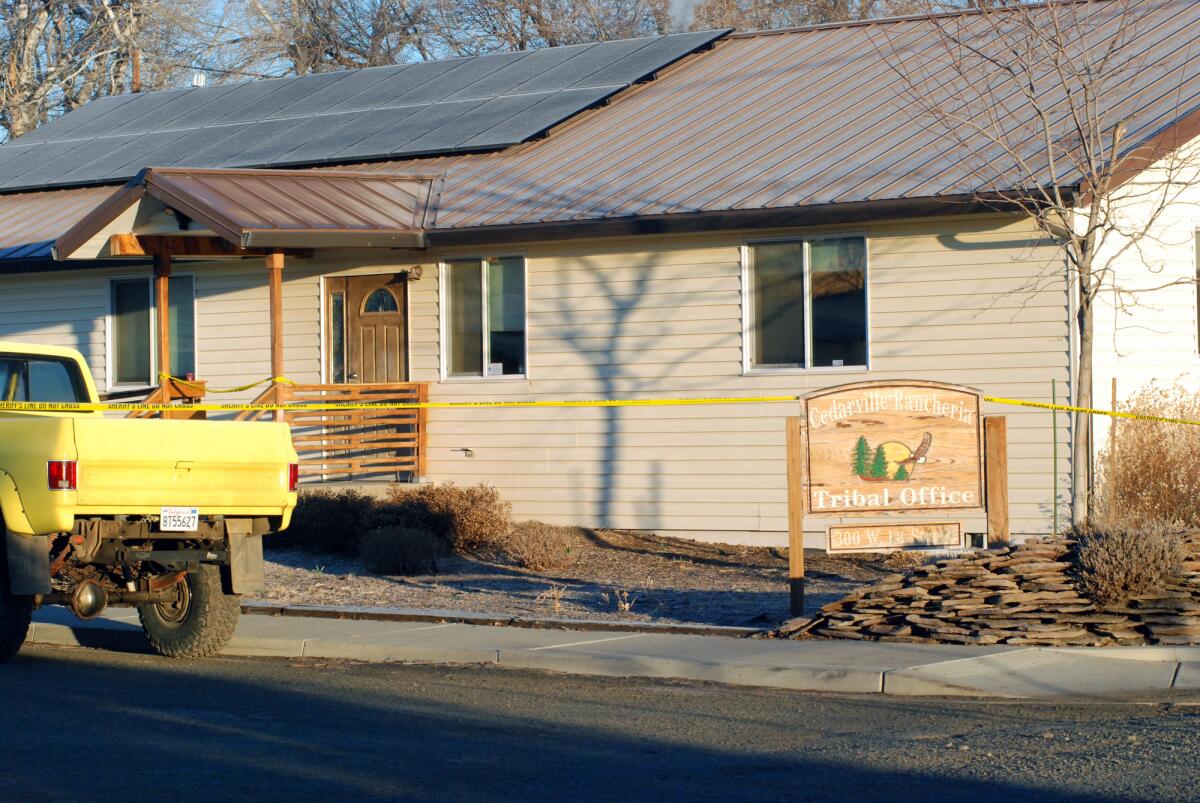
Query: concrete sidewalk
[[810, 665]]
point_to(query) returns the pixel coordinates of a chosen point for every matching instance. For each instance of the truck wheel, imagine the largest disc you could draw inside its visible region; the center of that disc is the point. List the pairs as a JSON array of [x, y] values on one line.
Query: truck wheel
[[197, 622], [15, 611]]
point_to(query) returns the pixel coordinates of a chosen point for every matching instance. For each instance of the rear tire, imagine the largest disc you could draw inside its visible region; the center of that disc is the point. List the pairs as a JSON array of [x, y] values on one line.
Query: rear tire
[[15, 611], [198, 622]]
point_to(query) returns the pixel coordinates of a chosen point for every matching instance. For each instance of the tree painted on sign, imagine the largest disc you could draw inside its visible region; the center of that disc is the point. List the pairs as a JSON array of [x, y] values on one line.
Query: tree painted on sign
[[862, 454], [879, 465], [901, 473]]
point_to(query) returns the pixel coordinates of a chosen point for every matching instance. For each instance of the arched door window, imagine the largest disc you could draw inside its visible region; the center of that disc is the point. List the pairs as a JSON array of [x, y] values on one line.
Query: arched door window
[[381, 300]]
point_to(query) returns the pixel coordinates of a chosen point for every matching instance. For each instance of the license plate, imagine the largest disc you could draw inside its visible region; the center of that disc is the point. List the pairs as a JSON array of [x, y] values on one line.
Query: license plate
[[179, 519]]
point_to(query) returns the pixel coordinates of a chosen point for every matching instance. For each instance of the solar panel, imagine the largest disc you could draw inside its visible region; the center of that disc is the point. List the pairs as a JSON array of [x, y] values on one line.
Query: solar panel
[[434, 107]]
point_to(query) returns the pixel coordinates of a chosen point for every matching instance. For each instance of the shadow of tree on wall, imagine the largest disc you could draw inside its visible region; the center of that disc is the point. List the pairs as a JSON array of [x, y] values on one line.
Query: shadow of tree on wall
[[615, 377]]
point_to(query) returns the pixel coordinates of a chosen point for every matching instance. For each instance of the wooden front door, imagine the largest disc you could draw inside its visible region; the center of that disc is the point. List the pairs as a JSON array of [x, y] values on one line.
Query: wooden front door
[[367, 336]]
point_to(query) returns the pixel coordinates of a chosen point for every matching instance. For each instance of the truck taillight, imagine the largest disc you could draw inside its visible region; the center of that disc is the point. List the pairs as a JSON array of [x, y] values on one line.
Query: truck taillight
[[61, 475], [293, 476]]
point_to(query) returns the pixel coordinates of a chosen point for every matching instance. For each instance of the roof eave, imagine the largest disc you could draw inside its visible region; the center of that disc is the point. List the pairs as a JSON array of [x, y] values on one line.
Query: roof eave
[[724, 220], [318, 238]]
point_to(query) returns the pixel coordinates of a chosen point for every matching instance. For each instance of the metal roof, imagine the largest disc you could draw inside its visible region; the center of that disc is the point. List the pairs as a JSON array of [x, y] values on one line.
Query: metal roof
[[786, 119], [275, 208], [812, 118], [464, 104], [31, 221]]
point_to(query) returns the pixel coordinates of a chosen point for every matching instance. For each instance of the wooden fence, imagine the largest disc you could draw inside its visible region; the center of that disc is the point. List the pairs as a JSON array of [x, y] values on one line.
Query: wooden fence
[[353, 444]]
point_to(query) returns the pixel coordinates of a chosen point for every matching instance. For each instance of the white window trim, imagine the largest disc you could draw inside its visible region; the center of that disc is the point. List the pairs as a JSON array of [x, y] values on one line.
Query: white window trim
[[444, 331], [110, 329], [748, 368]]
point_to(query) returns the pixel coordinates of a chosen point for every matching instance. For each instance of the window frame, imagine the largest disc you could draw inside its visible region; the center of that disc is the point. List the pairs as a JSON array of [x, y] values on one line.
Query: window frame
[[110, 330], [443, 317], [747, 293]]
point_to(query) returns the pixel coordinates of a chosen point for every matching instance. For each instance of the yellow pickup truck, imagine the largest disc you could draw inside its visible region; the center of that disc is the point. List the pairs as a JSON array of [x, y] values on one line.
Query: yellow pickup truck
[[165, 515]]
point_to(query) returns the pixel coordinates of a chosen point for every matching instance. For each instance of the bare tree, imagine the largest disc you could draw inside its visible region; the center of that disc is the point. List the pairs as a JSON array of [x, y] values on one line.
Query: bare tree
[[299, 37], [466, 27], [757, 15], [1036, 101], [56, 55]]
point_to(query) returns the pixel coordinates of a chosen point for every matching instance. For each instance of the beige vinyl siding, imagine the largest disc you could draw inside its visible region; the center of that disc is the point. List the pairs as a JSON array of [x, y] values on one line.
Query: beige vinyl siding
[[979, 302], [58, 309], [976, 301]]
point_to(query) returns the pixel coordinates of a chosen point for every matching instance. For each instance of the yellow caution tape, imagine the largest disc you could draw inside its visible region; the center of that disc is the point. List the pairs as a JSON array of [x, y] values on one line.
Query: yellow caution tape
[[81, 407], [275, 380], [1090, 411]]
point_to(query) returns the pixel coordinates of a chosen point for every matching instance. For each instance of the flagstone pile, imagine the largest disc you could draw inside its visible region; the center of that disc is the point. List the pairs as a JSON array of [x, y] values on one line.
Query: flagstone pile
[[1023, 594]]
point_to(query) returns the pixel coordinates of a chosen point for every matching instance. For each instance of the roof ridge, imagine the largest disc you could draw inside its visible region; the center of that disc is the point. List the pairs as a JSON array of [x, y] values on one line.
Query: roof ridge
[[962, 12]]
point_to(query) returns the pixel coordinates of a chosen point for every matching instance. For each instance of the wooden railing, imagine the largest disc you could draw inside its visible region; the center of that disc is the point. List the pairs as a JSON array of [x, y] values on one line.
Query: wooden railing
[[170, 392], [353, 444]]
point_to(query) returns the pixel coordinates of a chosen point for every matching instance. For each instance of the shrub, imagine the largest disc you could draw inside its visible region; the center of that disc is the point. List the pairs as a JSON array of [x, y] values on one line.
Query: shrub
[[329, 522], [538, 547], [401, 550], [1115, 563], [904, 559], [473, 520], [1146, 472]]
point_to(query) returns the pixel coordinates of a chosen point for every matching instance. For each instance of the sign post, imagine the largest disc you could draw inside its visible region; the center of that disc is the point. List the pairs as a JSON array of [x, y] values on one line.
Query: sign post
[[796, 460], [899, 450]]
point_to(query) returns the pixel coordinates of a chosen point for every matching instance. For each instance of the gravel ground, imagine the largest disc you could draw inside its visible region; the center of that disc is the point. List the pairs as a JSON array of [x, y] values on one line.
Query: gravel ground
[[616, 575]]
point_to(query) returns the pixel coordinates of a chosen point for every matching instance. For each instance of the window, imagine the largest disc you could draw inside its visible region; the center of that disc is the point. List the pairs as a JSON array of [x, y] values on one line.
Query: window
[[337, 344], [40, 379], [484, 317], [133, 332], [807, 303], [381, 300]]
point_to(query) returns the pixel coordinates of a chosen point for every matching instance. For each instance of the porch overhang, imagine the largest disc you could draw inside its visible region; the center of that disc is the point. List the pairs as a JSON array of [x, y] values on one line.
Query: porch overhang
[[254, 210]]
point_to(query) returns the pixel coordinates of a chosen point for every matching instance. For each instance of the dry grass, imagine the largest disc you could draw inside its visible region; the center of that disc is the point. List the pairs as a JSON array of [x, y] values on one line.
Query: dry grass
[[903, 559], [622, 600], [474, 520], [1149, 472], [402, 551], [552, 595], [1115, 563], [539, 547]]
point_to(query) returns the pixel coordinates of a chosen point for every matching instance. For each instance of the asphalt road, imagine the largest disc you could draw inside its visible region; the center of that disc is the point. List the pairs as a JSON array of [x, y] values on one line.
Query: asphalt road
[[90, 725]]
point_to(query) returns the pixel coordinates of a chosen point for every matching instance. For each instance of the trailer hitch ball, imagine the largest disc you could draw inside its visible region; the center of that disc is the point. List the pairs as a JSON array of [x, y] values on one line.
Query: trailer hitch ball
[[89, 600]]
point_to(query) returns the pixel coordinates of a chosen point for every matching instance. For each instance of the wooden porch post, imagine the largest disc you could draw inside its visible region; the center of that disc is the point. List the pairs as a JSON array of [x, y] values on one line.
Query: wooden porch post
[[162, 276], [275, 286]]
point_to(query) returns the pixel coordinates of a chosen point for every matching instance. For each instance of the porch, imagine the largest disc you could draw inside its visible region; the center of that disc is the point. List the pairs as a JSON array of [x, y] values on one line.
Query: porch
[[206, 216]]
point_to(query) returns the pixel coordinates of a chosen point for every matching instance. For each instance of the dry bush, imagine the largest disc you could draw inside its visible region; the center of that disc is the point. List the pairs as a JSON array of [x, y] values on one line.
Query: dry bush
[[538, 547], [1148, 472], [401, 550], [904, 559], [1114, 563], [329, 522], [473, 520]]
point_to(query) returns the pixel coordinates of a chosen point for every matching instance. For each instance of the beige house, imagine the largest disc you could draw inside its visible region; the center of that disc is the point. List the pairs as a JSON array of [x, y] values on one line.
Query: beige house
[[721, 215]]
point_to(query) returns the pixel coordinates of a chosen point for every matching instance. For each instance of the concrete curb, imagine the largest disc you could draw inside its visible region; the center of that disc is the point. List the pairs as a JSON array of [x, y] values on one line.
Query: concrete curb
[[815, 665]]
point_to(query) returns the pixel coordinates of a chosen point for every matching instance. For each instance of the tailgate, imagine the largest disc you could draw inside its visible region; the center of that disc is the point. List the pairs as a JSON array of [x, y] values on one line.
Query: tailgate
[[140, 465]]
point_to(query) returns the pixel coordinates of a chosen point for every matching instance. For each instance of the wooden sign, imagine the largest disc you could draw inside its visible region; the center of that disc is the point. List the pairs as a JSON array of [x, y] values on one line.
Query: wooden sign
[[890, 537], [876, 447]]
